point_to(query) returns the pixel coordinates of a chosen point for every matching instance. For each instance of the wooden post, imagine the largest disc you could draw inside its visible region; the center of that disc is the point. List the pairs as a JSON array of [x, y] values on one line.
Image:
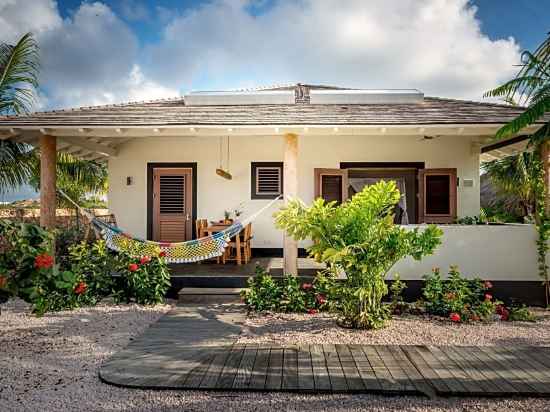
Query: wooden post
[[290, 189], [48, 159], [545, 157]]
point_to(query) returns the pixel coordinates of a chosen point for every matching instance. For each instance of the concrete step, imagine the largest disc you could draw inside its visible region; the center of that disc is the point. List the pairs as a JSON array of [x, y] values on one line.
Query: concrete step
[[209, 295]]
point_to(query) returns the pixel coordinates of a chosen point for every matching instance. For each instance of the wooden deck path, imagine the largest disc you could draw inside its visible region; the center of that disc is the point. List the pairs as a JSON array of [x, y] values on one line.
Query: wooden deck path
[[192, 348]]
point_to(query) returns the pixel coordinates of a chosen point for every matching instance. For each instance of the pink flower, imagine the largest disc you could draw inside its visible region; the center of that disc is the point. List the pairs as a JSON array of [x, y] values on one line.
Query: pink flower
[[320, 299], [454, 317], [306, 286], [80, 288], [487, 284], [132, 267], [488, 296], [312, 311], [144, 260], [43, 261]]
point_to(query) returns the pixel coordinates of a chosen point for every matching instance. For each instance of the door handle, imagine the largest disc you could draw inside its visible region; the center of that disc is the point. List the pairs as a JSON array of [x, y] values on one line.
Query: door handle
[[187, 217]]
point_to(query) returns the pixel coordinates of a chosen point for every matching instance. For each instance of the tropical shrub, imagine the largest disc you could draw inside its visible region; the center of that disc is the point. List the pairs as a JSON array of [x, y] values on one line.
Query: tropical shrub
[[143, 280], [360, 237], [458, 298], [397, 287], [287, 294], [521, 313], [263, 293]]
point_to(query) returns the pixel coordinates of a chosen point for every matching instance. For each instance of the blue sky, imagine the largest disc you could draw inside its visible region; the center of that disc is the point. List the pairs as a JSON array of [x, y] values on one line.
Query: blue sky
[[109, 51]]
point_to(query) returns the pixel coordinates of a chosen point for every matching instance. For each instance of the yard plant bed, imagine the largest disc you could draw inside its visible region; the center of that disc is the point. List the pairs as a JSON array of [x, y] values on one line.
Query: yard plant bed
[[51, 363], [322, 328]]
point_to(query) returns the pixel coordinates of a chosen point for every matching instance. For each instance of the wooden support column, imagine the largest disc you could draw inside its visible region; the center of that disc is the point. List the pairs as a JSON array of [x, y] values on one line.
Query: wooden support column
[[290, 189], [48, 160], [545, 157]]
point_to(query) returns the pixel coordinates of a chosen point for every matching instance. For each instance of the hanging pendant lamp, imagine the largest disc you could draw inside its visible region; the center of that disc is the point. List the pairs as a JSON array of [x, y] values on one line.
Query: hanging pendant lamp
[[220, 171]]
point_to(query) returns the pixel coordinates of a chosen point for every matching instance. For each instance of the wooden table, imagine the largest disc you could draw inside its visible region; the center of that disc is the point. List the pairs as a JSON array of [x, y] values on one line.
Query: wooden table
[[218, 227]]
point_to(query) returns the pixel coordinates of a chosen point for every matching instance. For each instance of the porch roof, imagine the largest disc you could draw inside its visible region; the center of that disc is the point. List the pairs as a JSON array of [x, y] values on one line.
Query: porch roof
[[174, 112]]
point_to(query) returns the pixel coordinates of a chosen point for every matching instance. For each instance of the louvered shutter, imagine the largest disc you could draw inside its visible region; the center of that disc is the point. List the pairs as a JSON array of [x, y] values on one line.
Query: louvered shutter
[[331, 184], [437, 195], [172, 204], [267, 180]]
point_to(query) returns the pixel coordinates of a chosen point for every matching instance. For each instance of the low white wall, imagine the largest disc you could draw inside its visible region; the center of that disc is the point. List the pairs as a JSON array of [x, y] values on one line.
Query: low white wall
[[496, 252]]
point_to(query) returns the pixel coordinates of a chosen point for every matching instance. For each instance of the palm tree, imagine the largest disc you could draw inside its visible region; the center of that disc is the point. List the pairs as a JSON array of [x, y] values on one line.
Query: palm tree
[[19, 66], [516, 177], [530, 87]]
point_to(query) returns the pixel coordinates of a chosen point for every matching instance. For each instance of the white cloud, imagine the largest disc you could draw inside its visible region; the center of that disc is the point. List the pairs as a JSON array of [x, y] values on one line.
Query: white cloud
[[89, 58], [433, 45]]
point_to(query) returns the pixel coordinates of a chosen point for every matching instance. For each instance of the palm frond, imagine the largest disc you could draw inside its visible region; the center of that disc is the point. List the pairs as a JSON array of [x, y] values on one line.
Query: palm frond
[[19, 66], [16, 164], [528, 117]]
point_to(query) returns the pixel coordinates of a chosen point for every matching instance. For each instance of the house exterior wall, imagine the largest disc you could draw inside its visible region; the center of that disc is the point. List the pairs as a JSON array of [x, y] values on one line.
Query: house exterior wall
[[214, 194], [478, 250]]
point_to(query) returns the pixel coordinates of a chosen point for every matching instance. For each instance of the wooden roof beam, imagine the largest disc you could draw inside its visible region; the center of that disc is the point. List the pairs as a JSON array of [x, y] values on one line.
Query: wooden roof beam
[[89, 145]]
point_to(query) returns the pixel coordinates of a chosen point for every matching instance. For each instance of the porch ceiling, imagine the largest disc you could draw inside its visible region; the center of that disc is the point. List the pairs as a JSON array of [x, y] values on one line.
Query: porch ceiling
[[501, 149]]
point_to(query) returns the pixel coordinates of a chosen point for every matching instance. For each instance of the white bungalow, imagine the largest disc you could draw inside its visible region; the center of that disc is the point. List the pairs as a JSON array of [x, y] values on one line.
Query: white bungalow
[[300, 140]]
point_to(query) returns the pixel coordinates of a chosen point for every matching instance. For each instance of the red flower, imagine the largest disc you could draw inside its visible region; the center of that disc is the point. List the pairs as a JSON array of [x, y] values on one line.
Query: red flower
[[162, 253], [487, 284], [43, 261], [502, 312], [321, 299], [306, 286], [312, 311], [145, 259], [132, 267], [80, 288], [488, 296], [455, 317]]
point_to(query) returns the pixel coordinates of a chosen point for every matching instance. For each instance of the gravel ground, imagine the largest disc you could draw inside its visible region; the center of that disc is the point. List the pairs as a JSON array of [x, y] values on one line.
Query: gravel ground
[[51, 364], [406, 330]]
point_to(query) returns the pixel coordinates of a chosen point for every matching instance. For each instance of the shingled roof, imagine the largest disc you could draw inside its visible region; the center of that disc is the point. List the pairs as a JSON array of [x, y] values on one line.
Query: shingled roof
[[174, 112]]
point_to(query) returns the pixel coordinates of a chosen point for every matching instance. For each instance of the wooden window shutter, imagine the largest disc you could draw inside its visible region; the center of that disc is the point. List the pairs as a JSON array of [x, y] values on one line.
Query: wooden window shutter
[[437, 195], [267, 180], [331, 184]]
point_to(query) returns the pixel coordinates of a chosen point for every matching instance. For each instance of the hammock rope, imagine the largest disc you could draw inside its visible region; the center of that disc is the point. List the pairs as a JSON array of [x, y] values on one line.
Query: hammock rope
[[181, 252]]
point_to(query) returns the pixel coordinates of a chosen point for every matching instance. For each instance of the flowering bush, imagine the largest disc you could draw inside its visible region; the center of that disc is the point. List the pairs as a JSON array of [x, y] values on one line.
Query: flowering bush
[[458, 298], [286, 294], [144, 280]]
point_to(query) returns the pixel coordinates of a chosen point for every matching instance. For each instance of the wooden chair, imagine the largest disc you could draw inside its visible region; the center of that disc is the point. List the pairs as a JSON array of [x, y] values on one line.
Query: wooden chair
[[200, 228], [239, 247]]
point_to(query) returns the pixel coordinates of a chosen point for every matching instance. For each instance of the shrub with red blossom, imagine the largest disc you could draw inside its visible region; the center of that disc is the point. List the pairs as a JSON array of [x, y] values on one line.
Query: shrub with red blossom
[[133, 267], [144, 260], [80, 288], [454, 317], [43, 261]]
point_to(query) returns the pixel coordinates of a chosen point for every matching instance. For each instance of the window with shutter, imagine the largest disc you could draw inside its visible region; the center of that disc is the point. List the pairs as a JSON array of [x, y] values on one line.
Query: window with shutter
[[331, 184], [267, 180], [437, 195]]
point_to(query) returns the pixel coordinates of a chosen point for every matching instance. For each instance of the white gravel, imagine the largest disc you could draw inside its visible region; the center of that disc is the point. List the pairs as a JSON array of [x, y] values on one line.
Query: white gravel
[[280, 328], [51, 364]]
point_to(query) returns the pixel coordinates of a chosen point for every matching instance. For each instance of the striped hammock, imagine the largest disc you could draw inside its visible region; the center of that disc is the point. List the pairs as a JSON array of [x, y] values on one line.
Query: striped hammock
[[181, 252]]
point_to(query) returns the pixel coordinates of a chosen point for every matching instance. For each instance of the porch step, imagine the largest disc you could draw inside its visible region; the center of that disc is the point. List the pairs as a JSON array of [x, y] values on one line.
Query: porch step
[[209, 295]]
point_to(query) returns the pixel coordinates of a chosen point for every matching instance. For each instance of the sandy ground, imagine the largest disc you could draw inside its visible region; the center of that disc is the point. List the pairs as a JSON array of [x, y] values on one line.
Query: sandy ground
[[51, 364]]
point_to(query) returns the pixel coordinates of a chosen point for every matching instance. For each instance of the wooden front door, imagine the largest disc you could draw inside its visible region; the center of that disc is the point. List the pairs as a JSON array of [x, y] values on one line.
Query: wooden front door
[[172, 204]]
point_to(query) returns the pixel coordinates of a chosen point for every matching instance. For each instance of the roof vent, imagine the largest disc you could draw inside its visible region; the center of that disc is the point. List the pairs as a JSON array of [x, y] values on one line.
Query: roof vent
[[365, 96], [239, 98]]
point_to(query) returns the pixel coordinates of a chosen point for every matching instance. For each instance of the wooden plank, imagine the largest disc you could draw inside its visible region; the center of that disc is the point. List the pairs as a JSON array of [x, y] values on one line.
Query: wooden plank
[[244, 372], [227, 377], [484, 384], [531, 367], [290, 369], [214, 371], [353, 378], [306, 381], [454, 369], [425, 368], [365, 369], [442, 371], [385, 378], [394, 368], [481, 364], [320, 372], [336, 373], [196, 375], [417, 381], [514, 371], [275, 370], [259, 371]]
